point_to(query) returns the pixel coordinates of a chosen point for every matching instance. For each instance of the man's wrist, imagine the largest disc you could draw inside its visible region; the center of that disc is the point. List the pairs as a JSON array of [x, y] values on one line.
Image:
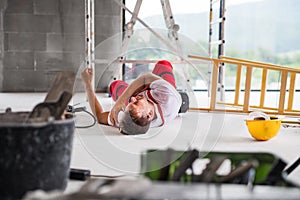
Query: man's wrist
[[88, 87], [121, 100]]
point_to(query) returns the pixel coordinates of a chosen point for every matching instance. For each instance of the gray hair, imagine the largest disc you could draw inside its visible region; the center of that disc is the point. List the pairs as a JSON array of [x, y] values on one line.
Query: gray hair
[[129, 127]]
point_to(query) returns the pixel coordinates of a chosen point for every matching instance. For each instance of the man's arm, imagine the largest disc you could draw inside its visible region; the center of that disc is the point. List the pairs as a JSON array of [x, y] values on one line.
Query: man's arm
[[143, 81], [102, 117]]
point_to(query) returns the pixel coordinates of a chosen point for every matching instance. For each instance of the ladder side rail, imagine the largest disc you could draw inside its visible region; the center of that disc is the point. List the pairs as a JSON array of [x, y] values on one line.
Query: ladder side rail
[[291, 91], [248, 61], [247, 88], [214, 85], [237, 84], [263, 88], [284, 75]]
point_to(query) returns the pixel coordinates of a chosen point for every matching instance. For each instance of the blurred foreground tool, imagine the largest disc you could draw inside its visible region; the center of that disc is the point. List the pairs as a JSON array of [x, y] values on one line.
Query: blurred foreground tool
[[57, 99]]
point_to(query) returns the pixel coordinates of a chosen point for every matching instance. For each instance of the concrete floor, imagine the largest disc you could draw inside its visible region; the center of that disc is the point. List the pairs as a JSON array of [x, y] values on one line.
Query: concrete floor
[[105, 151]]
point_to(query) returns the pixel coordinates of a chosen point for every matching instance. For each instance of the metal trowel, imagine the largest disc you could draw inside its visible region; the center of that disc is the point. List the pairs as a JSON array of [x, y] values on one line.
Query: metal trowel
[[57, 99]]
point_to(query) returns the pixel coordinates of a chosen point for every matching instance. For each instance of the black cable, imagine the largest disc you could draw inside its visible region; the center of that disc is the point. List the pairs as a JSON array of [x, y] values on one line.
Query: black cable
[[84, 174], [88, 126], [71, 109], [105, 176]]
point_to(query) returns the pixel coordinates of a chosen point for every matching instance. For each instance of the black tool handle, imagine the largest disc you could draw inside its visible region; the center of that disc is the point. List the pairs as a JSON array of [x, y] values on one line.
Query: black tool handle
[[79, 174]]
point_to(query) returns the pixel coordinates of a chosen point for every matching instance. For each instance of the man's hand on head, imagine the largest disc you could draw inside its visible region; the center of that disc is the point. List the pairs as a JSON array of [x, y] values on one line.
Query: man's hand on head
[[114, 112]]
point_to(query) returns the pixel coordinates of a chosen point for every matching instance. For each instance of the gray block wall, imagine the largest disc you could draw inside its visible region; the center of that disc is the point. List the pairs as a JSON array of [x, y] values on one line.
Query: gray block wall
[[38, 38]]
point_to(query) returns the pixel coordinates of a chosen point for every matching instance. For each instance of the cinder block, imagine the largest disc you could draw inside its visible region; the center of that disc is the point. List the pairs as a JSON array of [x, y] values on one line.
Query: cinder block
[[19, 6], [31, 23], [76, 59], [1, 21], [25, 42], [72, 7], [108, 25], [58, 61], [1, 43], [102, 77], [107, 7], [18, 60], [55, 42], [24, 81], [108, 48], [99, 38], [3, 4], [67, 24], [74, 43], [1, 76], [46, 7], [50, 61], [73, 24], [65, 42]]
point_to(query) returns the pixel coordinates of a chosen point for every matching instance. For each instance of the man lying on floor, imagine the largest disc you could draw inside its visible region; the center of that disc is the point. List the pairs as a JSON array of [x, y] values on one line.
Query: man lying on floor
[[151, 100]]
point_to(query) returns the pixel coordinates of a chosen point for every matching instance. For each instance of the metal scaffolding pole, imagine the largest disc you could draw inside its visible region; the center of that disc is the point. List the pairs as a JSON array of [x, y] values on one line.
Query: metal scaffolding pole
[[127, 36], [170, 24], [90, 37], [221, 49], [173, 32], [220, 42]]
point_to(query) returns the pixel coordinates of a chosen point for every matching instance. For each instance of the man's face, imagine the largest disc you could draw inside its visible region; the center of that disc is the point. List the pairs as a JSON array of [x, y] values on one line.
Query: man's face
[[140, 107]]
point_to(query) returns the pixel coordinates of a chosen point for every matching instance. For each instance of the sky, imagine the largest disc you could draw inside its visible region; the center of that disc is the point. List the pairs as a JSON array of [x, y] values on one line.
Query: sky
[[153, 7]]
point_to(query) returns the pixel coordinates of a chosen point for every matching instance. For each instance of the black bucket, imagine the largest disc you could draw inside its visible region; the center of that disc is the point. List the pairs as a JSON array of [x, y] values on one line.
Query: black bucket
[[33, 155]]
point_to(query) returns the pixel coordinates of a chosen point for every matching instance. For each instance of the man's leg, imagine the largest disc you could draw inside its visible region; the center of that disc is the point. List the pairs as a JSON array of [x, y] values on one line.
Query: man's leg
[[164, 69], [116, 89]]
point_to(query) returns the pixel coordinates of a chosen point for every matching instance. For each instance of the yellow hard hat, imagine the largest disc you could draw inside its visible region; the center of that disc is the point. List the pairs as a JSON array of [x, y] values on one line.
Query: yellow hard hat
[[263, 129]]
